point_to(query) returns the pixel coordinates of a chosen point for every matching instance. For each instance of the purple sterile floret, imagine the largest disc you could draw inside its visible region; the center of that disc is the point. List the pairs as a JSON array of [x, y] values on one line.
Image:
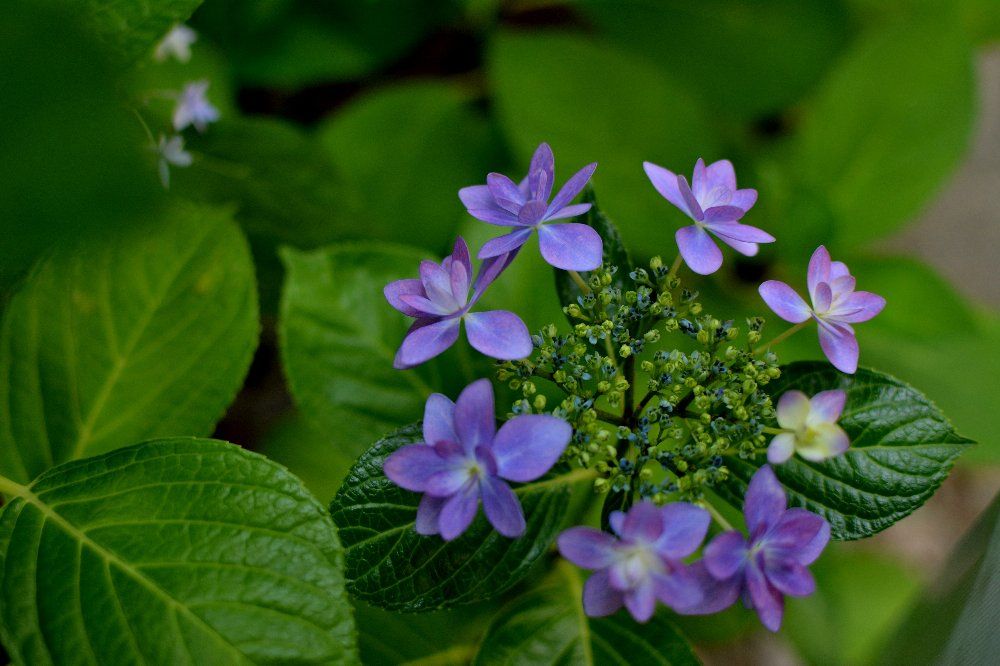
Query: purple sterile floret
[[716, 206], [641, 561], [835, 307], [439, 301], [525, 207], [768, 565], [464, 458]]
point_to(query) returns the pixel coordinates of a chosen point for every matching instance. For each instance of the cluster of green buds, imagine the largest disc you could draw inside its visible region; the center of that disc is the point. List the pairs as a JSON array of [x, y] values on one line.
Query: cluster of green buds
[[659, 393]]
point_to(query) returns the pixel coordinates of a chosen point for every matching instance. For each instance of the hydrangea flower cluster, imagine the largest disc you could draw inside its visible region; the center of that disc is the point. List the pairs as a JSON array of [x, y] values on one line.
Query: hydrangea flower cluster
[[654, 423]]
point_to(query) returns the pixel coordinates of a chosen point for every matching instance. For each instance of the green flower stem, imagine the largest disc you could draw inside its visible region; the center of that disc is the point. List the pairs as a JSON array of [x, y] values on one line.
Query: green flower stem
[[716, 516], [608, 417], [674, 267], [629, 397], [779, 338], [579, 282]]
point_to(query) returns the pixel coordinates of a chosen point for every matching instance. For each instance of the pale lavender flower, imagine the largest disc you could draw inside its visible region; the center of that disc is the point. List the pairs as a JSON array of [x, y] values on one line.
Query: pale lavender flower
[[835, 306], [176, 43], [464, 458], [768, 565], [642, 561], [716, 206], [171, 153], [526, 208], [440, 302], [812, 427], [193, 107]]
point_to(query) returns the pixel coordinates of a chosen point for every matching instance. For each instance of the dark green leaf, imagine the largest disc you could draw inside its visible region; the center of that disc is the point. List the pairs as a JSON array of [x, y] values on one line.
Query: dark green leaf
[[441, 638], [902, 448], [889, 124], [141, 334], [173, 551], [338, 339], [309, 453], [594, 103], [390, 565], [134, 27], [615, 253], [548, 626]]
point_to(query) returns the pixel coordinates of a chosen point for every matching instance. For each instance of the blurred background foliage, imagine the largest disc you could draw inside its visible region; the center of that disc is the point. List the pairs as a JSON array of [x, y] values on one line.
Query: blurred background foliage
[[360, 119]]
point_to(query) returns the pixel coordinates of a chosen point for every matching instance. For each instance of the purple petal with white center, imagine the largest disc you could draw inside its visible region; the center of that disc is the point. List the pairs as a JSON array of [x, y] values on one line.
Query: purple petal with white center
[[745, 199], [828, 441], [726, 555], [764, 502], [840, 346], [428, 515], [822, 297], [717, 595], [800, 534], [587, 548], [791, 578], [496, 216], [717, 175], [408, 287], [842, 285], [641, 601], [506, 243], [858, 307], [498, 334], [541, 172], [781, 448], [505, 192], [424, 342], [678, 589], [573, 187], [502, 508], [684, 528], [475, 418], [700, 252], [437, 284], [819, 270], [740, 232], [665, 182], [458, 511], [413, 466], [568, 211], [599, 598], [792, 410], [767, 601], [689, 198], [527, 446], [828, 405], [723, 215], [838, 269], [644, 522], [448, 481], [439, 420], [571, 246], [784, 301], [425, 307]]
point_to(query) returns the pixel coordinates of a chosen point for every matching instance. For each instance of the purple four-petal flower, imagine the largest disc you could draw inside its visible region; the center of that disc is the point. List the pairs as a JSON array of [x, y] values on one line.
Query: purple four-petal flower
[[440, 302], [716, 206], [644, 563], [770, 563], [525, 207], [835, 306], [464, 458]]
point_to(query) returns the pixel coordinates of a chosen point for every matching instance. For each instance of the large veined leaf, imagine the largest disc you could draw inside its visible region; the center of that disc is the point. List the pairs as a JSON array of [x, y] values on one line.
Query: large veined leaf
[[391, 566], [548, 626], [135, 26], [902, 448], [173, 551], [146, 333], [339, 337]]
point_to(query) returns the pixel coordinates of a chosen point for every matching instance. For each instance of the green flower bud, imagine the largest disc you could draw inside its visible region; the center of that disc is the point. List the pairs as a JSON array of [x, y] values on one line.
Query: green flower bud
[[624, 351], [539, 403]]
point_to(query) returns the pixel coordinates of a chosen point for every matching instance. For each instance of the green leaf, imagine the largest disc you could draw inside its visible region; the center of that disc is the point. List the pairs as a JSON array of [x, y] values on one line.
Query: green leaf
[[733, 54], [615, 253], [889, 124], [143, 334], [548, 626], [902, 448], [441, 638], [309, 453], [172, 551], [405, 151], [134, 27], [339, 336], [391, 566], [594, 103]]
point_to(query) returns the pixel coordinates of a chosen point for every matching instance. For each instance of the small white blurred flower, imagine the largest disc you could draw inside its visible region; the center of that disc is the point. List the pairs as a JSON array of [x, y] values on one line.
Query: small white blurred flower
[[193, 108], [810, 426], [171, 152], [176, 43]]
